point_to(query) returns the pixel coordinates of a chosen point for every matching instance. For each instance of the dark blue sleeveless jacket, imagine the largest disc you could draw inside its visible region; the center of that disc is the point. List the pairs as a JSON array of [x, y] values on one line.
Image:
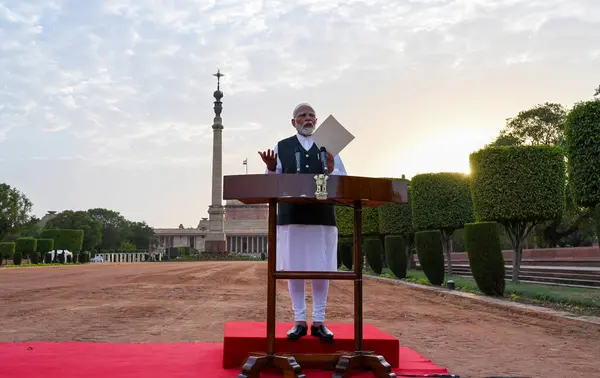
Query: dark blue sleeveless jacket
[[302, 213]]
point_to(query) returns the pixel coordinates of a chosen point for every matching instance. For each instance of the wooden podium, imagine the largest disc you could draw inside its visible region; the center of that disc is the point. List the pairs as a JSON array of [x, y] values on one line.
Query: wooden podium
[[356, 192]]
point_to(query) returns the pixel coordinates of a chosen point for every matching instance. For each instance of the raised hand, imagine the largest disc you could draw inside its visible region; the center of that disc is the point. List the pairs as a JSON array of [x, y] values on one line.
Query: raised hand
[[330, 162], [270, 159]]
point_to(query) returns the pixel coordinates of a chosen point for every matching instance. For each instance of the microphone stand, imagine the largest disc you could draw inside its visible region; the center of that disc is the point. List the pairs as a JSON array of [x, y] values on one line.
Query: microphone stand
[[297, 153]]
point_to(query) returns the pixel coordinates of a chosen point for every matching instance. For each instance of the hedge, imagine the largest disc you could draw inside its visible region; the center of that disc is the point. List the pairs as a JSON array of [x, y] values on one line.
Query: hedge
[[442, 201], [396, 219], [431, 256], [345, 220], [45, 245], [518, 183], [373, 251], [7, 250], [28, 247], [396, 255], [486, 261], [518, 186], [582, 137], [346, 251], [65, 239]]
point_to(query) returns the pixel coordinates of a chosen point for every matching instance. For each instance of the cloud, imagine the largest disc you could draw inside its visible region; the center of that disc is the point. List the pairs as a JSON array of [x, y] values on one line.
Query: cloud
[[116, 71]]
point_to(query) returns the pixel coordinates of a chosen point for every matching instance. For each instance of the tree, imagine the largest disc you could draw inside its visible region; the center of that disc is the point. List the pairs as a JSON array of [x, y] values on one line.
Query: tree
[[141, 235], [582, 135], [542, 124], [442, 201], [518, 187], [15, 209], [506, 140], [115, 227]]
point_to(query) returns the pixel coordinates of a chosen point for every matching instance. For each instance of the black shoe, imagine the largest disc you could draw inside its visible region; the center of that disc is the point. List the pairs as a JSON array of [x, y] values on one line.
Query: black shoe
[[321, 332], [296, 332]]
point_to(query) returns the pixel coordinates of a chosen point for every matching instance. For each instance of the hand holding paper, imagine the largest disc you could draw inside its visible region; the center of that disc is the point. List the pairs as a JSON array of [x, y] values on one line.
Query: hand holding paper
[[332, 135]]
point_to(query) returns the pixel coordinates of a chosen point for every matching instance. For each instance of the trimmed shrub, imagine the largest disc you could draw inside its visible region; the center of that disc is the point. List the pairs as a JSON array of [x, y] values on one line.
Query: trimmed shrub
[[344, 217], [374, 253], [484, 250], [396, 219], [442, 201], [17, 258], [45, 245], [345, 220], [26, 245], [370, 221], [34, 257], [71, 240], [395, 255], [518, 187], [431, 255], [7, 250], [582, 137], [346, 252], [512, 183]]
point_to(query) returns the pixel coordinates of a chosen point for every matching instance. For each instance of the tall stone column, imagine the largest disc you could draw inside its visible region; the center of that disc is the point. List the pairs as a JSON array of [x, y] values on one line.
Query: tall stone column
[[216, 241]]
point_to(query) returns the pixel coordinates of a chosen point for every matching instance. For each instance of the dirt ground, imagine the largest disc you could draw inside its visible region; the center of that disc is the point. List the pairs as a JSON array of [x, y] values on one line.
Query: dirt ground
[[175, 302]]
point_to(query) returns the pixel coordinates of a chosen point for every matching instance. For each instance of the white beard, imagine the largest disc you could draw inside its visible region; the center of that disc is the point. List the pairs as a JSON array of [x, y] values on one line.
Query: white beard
[[305, 130]]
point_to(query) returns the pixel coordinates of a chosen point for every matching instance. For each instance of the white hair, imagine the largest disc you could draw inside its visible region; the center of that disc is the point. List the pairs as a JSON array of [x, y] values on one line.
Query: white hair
[[297, 108]]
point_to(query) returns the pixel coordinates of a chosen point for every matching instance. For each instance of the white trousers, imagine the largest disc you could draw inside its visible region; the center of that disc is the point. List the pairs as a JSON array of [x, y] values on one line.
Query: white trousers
[[307, 248], [320, 290]]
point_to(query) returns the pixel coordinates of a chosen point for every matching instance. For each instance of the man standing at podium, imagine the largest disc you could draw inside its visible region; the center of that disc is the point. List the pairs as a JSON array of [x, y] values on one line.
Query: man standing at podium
[[307, 234]]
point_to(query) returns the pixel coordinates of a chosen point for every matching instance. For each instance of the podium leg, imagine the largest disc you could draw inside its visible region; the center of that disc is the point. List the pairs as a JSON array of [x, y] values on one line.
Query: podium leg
[[361, 361], [257, 363]]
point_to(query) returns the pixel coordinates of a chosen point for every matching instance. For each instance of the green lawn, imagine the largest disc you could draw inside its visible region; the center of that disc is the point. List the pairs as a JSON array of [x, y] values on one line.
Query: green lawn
[[582, 301]]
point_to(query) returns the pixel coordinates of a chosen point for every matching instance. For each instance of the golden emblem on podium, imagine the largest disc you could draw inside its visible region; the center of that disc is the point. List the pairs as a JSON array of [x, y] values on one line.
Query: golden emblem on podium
[[321, 181]]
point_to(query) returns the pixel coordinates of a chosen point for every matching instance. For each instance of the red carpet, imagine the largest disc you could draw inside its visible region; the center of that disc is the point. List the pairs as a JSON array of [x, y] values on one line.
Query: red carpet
[[180, 360], [242, 338]]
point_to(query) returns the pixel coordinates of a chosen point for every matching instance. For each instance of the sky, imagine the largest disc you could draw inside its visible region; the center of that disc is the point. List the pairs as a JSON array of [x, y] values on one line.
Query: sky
[[108, 103]]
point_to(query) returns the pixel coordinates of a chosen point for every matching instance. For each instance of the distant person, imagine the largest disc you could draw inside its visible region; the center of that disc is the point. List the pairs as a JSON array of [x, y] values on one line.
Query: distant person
[[307, 234]]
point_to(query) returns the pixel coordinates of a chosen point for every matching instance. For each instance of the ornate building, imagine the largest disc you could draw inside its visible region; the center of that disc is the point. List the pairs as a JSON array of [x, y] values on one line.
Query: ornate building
[[235, 227], [245, 231]]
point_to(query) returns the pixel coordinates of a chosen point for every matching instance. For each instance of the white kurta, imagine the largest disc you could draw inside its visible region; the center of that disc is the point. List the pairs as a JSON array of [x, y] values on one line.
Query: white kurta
[[307, 247]]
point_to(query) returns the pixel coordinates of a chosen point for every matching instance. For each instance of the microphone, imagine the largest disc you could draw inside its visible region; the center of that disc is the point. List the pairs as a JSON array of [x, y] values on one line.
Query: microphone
[[323, 154], [297, 152]]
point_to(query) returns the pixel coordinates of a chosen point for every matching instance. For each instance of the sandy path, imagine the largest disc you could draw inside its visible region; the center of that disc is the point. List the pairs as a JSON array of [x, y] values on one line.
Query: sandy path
[[170, 302]]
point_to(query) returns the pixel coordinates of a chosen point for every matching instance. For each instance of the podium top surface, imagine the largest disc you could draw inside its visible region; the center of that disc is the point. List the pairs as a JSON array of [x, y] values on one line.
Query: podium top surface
[[302, 187]]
